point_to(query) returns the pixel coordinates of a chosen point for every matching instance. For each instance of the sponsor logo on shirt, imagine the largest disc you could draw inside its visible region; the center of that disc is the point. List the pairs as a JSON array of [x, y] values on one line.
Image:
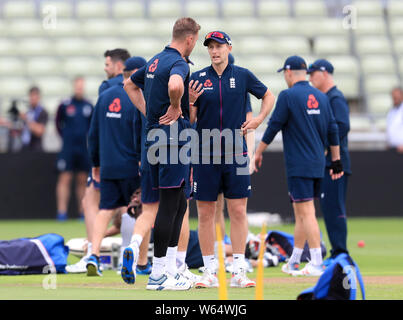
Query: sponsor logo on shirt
[[153, 66], [202, 74], [114, 109], [150, 76], [208, 85], [312, 105]]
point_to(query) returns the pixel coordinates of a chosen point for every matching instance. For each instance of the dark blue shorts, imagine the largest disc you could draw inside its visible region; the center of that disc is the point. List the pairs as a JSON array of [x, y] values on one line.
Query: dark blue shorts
[[169, 173], [148, 193], [90, 180], [116, 193], [302, 189], [211, 179], [73, 161]]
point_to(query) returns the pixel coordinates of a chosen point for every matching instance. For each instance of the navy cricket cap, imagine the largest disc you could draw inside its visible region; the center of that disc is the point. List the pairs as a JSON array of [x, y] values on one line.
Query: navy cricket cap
[[293, 63], [321, 65], [219, 36], [134, 63]]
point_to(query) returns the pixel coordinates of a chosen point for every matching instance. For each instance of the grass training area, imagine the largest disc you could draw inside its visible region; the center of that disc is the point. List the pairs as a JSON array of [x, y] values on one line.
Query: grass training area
[[380, 262]]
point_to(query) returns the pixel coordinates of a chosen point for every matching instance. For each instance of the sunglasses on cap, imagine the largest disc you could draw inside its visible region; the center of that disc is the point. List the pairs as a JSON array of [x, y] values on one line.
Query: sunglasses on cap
[[215, 34]]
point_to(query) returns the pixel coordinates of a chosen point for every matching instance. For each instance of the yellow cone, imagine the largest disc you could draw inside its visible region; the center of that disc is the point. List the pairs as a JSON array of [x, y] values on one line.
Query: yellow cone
[[259, 276], [222, 280]]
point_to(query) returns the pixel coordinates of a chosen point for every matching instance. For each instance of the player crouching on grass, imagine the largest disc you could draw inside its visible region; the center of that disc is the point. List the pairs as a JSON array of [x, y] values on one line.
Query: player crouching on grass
[[306, 120]]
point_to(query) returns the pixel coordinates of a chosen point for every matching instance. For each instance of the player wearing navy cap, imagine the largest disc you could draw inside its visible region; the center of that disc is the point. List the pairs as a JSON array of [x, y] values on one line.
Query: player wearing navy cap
[[333, 193], [306, 120], [222, 108], [250, 141], [111, 144], [165, 80]]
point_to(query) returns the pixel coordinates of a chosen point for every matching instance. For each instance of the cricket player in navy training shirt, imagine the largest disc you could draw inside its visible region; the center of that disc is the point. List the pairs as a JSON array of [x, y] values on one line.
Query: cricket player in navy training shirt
[[73, 119], [250, 142], [306, 120], [165, 103], [111, 144], [144, 223], [221, 108], [114, 66], [333, 193]]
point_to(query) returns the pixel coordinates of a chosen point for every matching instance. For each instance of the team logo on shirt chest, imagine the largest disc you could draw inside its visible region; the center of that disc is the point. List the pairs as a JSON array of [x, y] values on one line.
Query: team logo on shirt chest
[[232, 83], [312, 105]]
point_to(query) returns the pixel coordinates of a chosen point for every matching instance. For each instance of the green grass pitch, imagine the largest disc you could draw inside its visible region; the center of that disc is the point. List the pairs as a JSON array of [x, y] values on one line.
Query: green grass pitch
[[380, 261]]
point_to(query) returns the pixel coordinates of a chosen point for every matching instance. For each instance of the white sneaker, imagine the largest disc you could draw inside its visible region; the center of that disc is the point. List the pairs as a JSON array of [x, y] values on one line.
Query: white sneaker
[[208, 280], [310, 270], [240, 280], [290, 269], [168, 282], [79, 267], [184, 271]]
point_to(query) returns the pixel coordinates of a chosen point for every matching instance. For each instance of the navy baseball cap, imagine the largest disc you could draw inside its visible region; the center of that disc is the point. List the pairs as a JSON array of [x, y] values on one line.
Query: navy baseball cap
[[134, 63], [231, 59], [293, 63], [219, 36], [321, 65]]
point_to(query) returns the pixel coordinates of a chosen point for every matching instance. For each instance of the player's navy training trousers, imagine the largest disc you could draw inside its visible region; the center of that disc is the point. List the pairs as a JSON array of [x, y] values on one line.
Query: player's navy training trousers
[[333, 205]]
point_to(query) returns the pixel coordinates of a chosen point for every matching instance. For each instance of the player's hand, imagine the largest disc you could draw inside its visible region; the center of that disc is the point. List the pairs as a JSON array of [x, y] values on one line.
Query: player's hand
[[250, 124], [96, 174], [195, 90], [170, 116], [336, 170], [258, 161]]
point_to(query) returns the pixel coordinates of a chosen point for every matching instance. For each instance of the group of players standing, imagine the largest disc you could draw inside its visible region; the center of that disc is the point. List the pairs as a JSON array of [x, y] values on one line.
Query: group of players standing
[[152, 97]]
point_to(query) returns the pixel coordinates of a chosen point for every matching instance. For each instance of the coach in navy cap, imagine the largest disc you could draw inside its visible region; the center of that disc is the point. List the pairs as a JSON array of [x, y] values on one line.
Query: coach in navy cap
[[333, 199], [321, 65]]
